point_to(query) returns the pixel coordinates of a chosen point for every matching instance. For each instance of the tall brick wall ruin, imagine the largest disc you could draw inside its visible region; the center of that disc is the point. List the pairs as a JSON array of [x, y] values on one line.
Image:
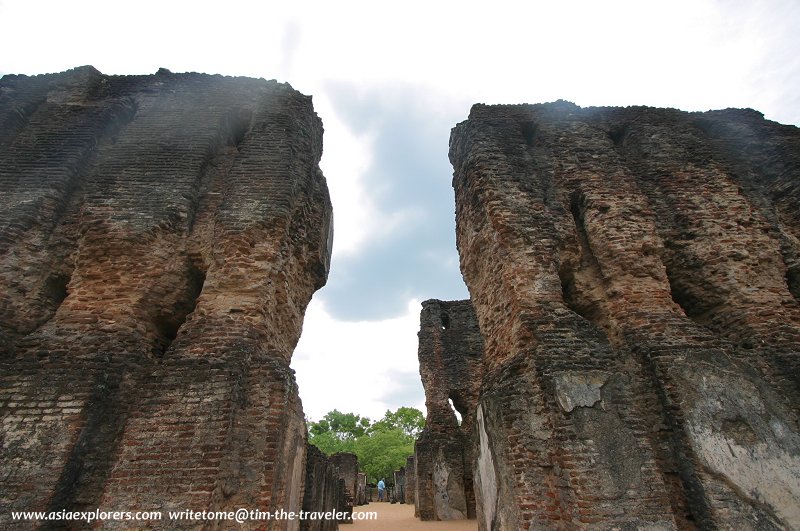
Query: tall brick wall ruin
[[411, 483], [323, 490], [450, 364], [347, 465], [635, 273], [160, 238]]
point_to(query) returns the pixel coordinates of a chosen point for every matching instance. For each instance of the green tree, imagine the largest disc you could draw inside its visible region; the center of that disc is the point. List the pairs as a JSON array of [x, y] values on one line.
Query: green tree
[[342, 426], [409, 420], [382, 452], [337, 431], [330, 444], [382, 447]]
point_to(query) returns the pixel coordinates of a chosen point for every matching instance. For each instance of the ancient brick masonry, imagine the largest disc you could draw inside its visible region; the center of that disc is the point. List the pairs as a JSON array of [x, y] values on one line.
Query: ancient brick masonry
[[450, 364], [160, 238], [635, 276], [323, 490], [361, 489], [398, 493], [411, 483], [347, 465]]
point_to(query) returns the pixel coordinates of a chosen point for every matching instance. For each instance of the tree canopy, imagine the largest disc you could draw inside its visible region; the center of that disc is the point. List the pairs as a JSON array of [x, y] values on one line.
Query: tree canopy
[[381, 446], [406, 419]]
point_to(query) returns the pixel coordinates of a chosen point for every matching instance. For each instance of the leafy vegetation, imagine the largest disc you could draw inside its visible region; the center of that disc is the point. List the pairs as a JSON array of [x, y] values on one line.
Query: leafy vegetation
[[381, 446]]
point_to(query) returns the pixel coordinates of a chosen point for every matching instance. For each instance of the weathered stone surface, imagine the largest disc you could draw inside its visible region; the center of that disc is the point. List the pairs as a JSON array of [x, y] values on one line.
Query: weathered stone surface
[[361, 489], [347, 465], [322, 490], [635, 276], [411, 483], [450, 360], [399, 490], [160, 238]]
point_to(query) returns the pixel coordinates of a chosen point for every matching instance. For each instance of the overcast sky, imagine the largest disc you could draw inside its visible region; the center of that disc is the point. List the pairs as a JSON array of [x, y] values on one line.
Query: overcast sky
[[389, 80]]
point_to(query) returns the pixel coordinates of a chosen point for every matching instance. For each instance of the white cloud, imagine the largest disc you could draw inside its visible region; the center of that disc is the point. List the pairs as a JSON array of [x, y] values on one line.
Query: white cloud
[[353, 366], [345, 158]]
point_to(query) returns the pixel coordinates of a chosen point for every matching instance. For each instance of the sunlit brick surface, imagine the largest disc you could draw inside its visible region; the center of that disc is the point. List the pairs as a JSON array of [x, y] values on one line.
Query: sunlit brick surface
[[160, 238], [635, 273]]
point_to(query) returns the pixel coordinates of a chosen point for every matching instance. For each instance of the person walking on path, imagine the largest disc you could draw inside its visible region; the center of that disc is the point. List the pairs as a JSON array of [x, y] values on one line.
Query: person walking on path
[[381, 489]]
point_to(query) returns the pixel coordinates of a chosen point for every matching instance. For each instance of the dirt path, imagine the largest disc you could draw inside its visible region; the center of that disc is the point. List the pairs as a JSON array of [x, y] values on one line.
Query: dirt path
[[399, 517]]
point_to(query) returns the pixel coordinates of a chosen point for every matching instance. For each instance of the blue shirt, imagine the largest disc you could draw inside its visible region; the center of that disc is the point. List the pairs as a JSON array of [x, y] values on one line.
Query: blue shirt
[[381, 485]]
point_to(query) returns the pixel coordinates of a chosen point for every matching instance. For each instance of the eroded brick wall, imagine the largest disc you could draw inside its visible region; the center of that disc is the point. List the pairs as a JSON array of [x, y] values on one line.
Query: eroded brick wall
[[411, 483], [160, 238], [450, 359], [322, 490], [398, 493], [347, 465], [361, 494], [635, 275]]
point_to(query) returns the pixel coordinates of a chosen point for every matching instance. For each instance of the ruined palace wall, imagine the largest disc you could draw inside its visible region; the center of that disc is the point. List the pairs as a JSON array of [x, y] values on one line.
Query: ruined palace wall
[[411, 482], [322, 490], [160, 238], [347, 464], [450, 358], [634, 273]]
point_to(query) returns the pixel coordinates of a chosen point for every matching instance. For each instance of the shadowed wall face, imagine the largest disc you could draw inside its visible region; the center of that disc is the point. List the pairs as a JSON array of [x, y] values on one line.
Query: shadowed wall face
[[411, 483], [160, 238], [347, 465], [635, 276], [323, 491], [450, 364]]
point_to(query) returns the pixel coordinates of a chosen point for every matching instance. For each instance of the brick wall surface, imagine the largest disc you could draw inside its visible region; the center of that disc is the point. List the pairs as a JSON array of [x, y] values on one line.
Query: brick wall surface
[[411, 483], [347, 464], [322, 490], [450, 360], [635, 276], [398, 493], [160, 238], [361, 489]]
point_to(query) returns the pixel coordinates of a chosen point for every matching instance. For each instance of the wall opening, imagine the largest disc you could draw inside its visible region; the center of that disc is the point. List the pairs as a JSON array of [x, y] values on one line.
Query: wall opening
[[529, 132], [793, 278], [55, 290], [455, 411], [168, 323], [618, 134]]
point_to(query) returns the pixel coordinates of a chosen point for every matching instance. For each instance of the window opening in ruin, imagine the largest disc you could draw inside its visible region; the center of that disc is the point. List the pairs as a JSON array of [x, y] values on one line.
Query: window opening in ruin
[[168, 324], [617, 135], [445, 321], [55, 289], [529, 132], [793, 280], [238, 124], [455, 411], [683, 295]]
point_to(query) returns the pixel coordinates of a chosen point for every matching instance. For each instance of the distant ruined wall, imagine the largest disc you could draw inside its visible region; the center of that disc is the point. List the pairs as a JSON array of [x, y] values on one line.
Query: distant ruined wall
[[347, 465], [361, 494], [450, 361], [160, 238], [398, 493], [635, 274], [411, 482], [322, 490]]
